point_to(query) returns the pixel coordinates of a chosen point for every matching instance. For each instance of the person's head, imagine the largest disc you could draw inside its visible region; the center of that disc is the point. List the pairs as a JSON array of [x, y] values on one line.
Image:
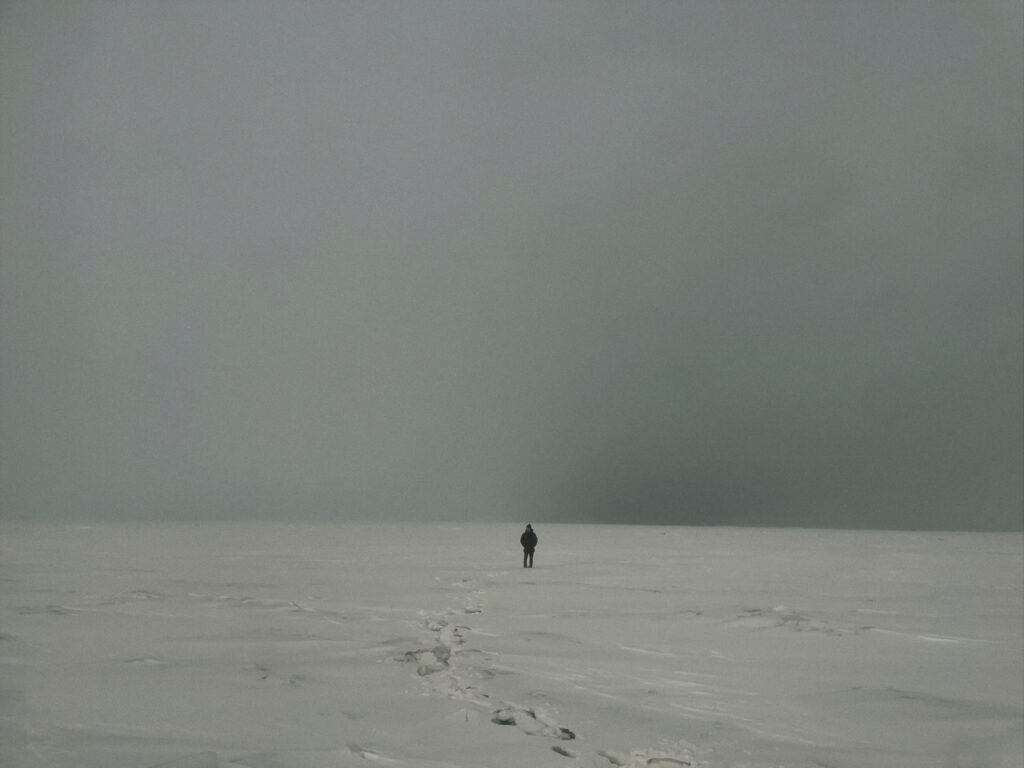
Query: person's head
[[529, 527]]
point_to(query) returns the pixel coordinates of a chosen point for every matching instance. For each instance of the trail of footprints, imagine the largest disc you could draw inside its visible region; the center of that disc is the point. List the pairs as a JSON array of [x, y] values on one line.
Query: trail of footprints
[[437, 668]]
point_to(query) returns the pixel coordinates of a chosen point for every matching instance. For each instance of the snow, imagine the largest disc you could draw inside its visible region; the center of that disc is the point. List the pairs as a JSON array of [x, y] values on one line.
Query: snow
[[272, 646]]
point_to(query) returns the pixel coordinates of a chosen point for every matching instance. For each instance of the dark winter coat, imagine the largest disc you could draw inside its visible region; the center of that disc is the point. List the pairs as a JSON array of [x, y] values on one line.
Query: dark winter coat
[[528, 540]]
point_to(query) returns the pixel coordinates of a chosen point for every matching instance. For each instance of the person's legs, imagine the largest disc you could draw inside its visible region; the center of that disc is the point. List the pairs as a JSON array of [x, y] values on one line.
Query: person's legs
[[526, 555], [529, 555]]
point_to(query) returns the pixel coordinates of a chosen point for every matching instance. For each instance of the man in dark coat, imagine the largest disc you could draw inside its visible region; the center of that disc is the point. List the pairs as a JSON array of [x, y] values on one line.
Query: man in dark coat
[[529, 542]]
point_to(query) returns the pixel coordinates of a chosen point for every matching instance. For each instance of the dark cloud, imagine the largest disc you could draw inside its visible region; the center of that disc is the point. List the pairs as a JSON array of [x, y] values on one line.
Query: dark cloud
[[694, 263]]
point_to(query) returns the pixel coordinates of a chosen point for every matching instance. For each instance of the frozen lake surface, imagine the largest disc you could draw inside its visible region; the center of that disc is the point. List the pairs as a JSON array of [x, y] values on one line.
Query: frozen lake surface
[[197, 646]]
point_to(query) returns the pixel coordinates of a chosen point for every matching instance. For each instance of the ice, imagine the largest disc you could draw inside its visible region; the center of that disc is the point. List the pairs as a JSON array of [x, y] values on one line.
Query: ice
[[217, 646]]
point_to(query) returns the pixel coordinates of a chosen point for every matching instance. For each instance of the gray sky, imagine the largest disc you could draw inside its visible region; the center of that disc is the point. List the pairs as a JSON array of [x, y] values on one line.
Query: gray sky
[[694, 262]]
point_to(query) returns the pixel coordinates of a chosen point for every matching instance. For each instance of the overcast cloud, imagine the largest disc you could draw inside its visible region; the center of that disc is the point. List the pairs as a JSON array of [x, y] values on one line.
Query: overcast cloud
[[694, 262]]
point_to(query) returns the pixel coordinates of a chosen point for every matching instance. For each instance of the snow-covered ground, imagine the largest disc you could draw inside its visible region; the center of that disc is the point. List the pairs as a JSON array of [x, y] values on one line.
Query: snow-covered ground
[[130, 646]]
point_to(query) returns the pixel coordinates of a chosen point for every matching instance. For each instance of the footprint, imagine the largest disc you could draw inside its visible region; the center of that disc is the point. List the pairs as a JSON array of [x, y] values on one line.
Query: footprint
[[441, 674], [450, 635], [429, 662], [532, 721]]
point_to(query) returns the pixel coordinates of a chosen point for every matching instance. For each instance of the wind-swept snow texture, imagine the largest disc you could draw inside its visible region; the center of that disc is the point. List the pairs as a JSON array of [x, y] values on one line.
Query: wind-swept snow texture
[[211, 646]]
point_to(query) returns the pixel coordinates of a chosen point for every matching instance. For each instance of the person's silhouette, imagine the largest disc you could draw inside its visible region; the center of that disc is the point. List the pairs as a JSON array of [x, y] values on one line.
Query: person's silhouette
[[529, 542]]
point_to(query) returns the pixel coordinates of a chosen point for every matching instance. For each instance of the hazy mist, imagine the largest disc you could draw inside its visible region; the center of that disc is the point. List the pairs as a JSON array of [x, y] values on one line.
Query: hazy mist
[[694, 262]]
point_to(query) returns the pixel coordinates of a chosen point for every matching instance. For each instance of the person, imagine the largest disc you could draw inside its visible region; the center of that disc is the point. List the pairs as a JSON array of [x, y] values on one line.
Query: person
[[529, 542]]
